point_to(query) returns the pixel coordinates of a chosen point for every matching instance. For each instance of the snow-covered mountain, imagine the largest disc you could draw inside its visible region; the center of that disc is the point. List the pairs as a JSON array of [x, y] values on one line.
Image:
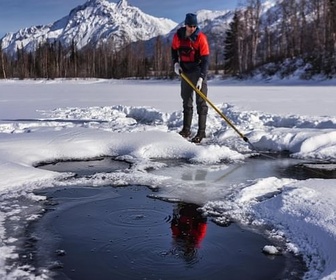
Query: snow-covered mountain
[[99, 21], [94, 22], [213, 23]]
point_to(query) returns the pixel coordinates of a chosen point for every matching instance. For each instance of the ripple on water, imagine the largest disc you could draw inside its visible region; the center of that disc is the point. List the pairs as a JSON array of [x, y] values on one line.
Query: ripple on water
[[135, 217], [130, 236]]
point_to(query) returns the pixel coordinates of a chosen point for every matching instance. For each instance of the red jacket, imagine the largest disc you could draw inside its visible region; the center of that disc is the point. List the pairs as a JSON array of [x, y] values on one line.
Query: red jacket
[[191, 52]]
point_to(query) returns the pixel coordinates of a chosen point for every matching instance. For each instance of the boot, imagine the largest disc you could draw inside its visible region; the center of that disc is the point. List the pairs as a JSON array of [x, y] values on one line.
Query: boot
[[185, 133], [201, 129], [187, 118]]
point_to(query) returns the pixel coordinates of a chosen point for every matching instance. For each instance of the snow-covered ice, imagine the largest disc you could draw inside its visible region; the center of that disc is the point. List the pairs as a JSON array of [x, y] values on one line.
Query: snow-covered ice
[[138, 121]]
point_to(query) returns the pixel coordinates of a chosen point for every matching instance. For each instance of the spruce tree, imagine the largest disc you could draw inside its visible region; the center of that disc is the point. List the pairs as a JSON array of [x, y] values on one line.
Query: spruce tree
[[231, 48]]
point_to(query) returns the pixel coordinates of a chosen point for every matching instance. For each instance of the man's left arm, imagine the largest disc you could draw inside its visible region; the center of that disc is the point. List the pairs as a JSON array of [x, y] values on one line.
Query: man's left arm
[[204, 53]]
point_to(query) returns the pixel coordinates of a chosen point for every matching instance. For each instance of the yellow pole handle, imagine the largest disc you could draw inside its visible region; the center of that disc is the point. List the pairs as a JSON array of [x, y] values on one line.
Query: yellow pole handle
[[200, 93]]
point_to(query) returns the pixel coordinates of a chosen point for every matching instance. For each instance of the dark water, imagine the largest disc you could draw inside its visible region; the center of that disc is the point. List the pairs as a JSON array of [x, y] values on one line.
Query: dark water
[[88, 167], [123, 233], [120, 233]]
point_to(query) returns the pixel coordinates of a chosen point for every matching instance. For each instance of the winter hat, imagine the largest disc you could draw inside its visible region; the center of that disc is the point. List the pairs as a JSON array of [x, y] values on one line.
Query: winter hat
[[191, 19]]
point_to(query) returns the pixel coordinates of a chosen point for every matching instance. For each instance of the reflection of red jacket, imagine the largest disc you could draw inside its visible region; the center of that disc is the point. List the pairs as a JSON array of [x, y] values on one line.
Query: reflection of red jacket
[[189, 229]]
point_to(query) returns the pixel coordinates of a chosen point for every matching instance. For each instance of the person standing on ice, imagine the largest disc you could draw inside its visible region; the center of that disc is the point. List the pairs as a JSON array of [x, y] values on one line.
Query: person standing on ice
[[190, 53]]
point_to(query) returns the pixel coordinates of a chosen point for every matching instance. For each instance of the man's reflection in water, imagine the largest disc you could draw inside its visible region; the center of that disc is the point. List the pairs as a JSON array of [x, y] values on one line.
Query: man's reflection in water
[[194, 175], [188, 228]]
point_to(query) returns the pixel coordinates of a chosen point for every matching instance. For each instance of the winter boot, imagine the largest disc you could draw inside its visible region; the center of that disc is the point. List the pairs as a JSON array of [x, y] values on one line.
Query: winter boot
[[201, 129], [187, 118], [185, 133]]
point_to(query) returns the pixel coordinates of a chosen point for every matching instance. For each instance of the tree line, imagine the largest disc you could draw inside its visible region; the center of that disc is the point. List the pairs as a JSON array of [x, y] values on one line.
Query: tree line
[[294, 33], [53, 60], [302, 31]]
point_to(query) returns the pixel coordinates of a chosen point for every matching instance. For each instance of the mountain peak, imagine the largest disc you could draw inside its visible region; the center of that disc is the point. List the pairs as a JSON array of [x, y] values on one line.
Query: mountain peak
[[93, 23], [94, 2], [122, 4]]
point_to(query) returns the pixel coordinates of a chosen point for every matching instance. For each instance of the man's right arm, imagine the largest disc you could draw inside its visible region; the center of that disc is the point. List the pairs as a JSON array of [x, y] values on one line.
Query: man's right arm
[[174, 55], [174, 49]]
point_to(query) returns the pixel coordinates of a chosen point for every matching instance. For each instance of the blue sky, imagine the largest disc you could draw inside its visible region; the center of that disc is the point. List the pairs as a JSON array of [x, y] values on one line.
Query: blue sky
[[17, 14]]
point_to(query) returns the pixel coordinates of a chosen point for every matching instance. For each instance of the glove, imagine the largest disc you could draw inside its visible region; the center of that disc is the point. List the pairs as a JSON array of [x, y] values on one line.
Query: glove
[[199, 83], [177, 68]]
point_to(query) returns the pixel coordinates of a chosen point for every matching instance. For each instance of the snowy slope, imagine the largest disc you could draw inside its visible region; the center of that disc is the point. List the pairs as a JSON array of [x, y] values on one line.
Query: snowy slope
[[91, 23]]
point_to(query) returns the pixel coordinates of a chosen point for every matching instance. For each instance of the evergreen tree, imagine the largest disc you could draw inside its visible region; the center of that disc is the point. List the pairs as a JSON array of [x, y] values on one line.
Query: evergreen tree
[[2, 62], [231, 47]]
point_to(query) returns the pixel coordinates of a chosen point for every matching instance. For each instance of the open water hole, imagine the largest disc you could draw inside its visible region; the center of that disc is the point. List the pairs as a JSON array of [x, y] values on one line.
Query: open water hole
[[122, 233]]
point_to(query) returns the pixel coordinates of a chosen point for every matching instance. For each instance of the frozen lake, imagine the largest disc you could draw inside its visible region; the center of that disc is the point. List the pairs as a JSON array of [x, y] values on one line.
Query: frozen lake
[[132, 232], [287, 200]]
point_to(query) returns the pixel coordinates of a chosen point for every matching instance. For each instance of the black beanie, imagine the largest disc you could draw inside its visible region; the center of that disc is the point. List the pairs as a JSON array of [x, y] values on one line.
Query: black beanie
[[191, 19]]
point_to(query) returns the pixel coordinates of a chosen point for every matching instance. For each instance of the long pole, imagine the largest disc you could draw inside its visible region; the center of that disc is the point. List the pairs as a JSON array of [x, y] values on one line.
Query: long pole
[[200, 93]]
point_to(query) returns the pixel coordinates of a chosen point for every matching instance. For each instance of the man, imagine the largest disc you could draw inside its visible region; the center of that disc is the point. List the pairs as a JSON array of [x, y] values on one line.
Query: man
[[190, 54]]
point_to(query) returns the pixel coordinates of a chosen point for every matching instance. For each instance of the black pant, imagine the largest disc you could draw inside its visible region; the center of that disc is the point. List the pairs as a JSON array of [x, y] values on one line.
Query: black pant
[[187, 94]]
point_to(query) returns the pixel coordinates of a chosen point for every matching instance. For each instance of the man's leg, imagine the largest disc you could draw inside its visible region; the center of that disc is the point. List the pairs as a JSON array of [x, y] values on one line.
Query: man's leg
[[202, 111], [187, 101]]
